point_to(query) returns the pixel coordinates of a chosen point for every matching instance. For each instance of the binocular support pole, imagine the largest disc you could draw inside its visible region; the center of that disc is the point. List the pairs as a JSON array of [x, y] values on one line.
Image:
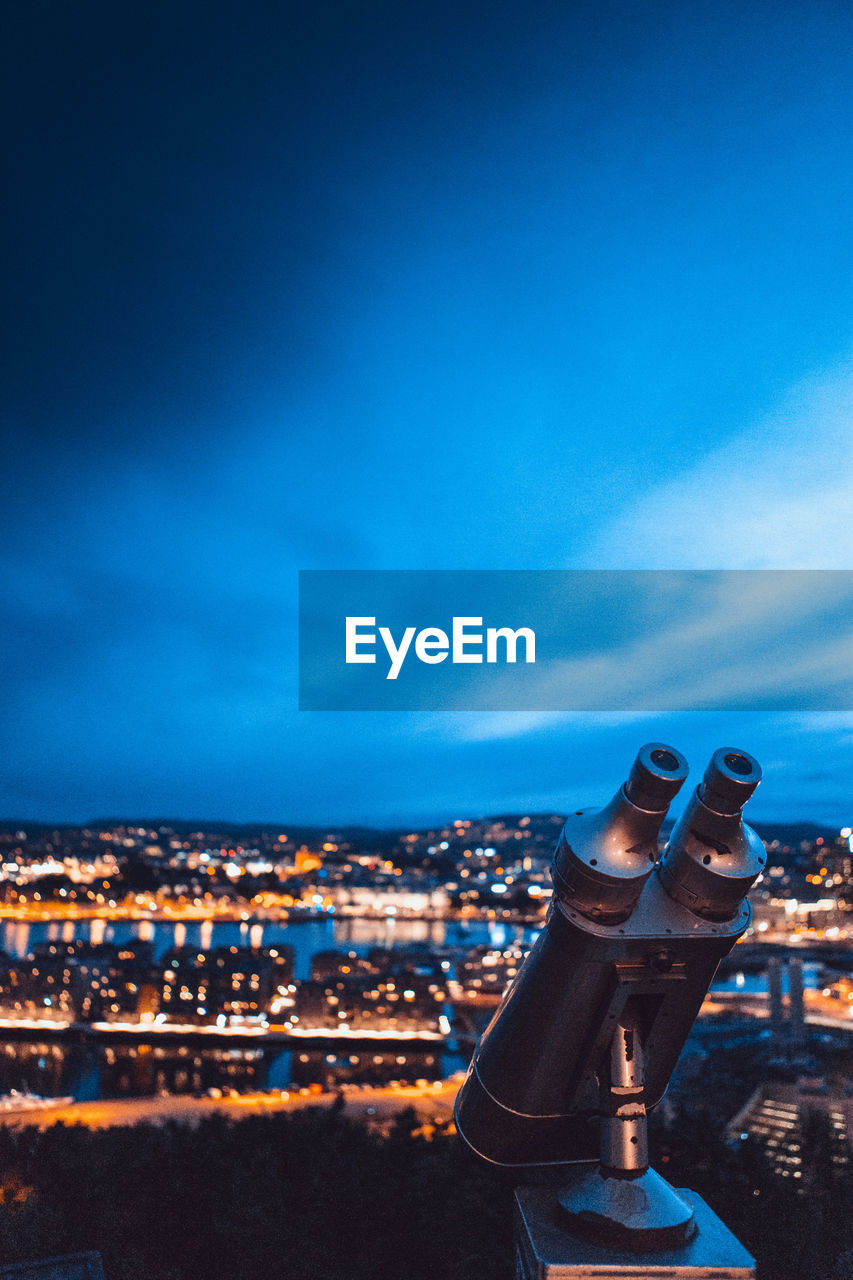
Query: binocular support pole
[[623, 1201]]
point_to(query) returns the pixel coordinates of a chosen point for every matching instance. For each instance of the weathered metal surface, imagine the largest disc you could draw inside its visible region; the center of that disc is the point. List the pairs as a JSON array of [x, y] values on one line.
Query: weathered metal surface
[[619, 933], [546, 1251]]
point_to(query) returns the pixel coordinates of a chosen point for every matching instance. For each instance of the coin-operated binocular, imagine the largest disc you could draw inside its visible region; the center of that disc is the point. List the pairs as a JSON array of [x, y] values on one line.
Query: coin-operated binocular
[[587, 1036]]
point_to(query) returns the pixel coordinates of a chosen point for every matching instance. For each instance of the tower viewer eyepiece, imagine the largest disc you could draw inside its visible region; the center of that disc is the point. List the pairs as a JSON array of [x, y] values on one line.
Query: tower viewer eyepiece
[[605, 856], [713, 857], [730, 779], [656, 776]]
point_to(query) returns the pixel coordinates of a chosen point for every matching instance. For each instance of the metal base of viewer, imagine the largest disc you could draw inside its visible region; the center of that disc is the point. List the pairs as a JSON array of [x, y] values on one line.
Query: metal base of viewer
[[545, 1250], [632, 1213]]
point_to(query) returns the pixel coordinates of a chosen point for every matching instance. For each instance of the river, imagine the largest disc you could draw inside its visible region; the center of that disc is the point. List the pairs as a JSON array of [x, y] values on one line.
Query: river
[[305, 936], [89, 1070]]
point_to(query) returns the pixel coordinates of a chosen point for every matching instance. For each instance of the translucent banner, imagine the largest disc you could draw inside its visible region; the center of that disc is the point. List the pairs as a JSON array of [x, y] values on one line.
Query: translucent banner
[[575, 640]]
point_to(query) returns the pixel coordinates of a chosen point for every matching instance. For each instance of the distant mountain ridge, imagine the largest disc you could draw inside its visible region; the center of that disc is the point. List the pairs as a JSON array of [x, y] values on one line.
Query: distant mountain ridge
[[790, 833]]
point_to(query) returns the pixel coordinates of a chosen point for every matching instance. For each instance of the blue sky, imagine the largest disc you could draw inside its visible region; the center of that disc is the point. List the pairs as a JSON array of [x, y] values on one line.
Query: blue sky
[[379, 286]]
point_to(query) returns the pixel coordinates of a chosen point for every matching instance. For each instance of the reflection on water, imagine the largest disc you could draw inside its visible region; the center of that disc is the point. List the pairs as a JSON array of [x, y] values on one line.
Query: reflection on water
[[37, 1067], [91, 1070], [756, 983], [389, 932], [88, 1069], [17, 938], [143, 1070], [305, 936], [333, 1069]]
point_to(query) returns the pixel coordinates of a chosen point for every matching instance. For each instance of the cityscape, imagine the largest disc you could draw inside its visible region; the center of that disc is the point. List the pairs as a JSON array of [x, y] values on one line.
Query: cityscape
[[153, 960], [167, 975]]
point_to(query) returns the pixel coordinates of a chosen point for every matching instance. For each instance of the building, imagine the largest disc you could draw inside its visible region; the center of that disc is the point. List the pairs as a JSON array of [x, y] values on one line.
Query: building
[[228, 982], [778, 1117]]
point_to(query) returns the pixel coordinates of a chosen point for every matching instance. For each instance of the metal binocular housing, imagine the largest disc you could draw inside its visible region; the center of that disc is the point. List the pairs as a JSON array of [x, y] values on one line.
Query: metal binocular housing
[[619, 971]]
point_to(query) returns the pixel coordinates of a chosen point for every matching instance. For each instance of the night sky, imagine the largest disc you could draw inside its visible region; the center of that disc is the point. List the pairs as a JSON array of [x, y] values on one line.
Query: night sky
[[406, 285]]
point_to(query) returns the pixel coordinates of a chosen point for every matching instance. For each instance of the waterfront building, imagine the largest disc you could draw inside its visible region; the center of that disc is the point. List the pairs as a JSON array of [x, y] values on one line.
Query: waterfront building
[[786, 1118], [486, 972], [228, 982]]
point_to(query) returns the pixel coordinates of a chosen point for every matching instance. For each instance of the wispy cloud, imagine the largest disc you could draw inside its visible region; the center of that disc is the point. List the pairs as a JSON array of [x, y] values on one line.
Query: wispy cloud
[[778, 496], [767, 640], [489, 726]]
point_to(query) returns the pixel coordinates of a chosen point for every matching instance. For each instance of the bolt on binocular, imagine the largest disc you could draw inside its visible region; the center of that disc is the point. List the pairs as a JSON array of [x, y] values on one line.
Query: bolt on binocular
[[628, 952]]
